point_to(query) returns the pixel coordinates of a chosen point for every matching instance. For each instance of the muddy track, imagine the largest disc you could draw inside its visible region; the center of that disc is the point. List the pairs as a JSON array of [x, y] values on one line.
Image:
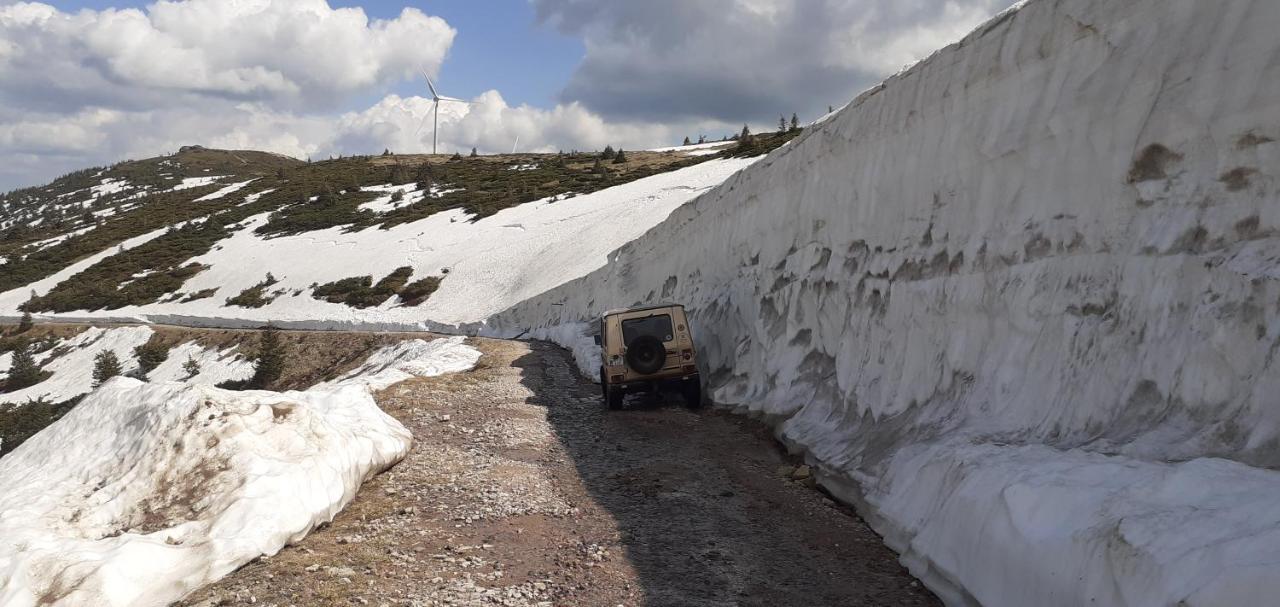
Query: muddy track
[[522, 490]]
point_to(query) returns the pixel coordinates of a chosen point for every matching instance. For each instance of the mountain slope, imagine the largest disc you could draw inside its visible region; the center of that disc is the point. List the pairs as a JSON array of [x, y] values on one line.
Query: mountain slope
[[173, 235], [1019, 303]]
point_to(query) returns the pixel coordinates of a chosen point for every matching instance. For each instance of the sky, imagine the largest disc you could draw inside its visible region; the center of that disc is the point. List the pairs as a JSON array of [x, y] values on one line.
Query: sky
[[92, 82]]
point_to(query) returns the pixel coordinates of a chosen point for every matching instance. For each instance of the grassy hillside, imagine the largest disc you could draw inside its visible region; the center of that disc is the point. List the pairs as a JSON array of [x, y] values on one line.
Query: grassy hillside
[[201, 196]]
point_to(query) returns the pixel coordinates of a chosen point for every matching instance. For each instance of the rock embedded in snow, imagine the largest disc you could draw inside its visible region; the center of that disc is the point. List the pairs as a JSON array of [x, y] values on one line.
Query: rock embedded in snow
[[1018, 302]]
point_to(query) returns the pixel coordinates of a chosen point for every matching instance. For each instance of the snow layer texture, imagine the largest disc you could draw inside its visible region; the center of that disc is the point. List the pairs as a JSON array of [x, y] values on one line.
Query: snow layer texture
[[1020, 303], [171, 486]]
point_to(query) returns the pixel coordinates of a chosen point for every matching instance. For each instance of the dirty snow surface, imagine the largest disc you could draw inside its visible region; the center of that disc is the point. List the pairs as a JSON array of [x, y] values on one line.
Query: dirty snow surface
[[172, 485], [1019, 303]]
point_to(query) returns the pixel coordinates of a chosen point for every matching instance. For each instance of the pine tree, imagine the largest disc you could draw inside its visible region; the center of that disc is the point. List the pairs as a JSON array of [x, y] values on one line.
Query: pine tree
[[386, 151], [746, 133], [687, 142], [149, 357], [474, 153], [456, 156], [795, 122], [608, 153], [782, 124], [191, 367], [105, 366], [23, 370], [830, 109], [268, 365], [598, 168], [26, 323], [702, 139], [619, 157]]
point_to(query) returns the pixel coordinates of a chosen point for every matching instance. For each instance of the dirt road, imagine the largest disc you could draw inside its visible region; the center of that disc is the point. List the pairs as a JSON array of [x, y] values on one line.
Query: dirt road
[[522, 490]]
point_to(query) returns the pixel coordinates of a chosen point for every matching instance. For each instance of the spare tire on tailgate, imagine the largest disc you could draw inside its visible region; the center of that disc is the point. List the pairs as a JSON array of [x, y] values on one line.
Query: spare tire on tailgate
[[646, 354]]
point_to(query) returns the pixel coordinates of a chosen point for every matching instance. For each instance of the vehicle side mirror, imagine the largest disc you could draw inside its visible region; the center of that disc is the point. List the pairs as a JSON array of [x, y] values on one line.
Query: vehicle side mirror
[[597, 340]]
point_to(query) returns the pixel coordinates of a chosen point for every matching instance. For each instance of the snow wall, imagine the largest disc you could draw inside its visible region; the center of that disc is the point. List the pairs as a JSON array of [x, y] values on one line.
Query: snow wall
[[1019, 303]]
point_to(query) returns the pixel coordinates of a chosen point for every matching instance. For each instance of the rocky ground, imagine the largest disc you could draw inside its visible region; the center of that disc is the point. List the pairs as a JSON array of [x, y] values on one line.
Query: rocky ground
[[522, 490]]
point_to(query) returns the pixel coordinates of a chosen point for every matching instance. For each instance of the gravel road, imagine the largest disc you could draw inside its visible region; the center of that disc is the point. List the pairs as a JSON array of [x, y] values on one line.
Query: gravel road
[[522, 490]]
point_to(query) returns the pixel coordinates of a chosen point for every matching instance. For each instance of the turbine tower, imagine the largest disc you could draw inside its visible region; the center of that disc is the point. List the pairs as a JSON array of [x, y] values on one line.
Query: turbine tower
[[436, 98]]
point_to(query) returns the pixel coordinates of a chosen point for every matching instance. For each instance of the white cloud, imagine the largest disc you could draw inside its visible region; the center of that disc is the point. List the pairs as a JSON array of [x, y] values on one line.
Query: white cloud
[[94, 87], [747, 59], [490, 124], [293, 53]]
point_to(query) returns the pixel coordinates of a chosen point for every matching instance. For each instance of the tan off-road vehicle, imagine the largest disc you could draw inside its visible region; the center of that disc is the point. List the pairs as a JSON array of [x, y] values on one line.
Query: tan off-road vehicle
[[648, 349]]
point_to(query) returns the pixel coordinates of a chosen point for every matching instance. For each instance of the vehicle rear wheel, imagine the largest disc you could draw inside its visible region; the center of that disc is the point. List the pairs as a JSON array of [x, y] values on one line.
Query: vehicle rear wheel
[[692, 392]]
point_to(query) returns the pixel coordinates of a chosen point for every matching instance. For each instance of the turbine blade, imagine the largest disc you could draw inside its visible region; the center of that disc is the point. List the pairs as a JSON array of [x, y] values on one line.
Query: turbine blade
[[430, 84], [455, 99]]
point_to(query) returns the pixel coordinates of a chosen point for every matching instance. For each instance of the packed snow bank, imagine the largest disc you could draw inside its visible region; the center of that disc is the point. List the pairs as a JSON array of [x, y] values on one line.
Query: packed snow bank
[[1039, 262], [412, 358], [146, 491], [1030, 525]]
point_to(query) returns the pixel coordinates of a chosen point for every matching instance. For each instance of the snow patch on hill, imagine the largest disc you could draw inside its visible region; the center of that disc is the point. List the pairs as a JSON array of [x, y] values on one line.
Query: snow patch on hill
[[196, 182], [1019, 303], [230, 189], [170, 486], [486, 265], [216, 366], [71, 363], [12, 299]]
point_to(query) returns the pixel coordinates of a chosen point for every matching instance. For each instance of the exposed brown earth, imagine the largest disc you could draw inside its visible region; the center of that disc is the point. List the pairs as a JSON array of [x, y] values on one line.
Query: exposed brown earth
[[521, 489]]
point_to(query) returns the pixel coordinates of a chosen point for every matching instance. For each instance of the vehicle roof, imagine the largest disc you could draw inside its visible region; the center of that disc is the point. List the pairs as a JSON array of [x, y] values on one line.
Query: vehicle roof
[[642, 309]]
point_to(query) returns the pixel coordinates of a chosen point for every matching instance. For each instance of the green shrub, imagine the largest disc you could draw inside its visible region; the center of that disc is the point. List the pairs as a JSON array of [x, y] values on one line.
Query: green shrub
[[198, 295], [149, 356], [24, 372], [255, 296], [19, 422], [105, 366], [418, 291], [361, 292]]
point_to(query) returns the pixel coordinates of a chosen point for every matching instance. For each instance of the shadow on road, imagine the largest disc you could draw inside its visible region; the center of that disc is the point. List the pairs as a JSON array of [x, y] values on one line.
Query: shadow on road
[[705, 516]]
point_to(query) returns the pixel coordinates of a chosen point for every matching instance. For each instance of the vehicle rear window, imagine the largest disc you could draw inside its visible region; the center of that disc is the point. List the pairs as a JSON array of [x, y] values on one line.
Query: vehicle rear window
[[658, 326]]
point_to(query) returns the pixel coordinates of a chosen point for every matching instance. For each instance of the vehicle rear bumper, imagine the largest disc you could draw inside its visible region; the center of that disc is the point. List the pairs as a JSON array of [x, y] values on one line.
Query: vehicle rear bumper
[[665, 383]]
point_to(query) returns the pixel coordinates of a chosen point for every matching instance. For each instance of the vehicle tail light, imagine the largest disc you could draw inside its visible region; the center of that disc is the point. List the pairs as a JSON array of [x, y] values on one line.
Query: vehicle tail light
[[686, 354], [615, 378]]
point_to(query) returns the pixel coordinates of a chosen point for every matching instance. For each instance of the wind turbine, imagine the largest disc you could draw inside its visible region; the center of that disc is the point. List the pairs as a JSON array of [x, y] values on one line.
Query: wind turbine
[[436, 98]]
